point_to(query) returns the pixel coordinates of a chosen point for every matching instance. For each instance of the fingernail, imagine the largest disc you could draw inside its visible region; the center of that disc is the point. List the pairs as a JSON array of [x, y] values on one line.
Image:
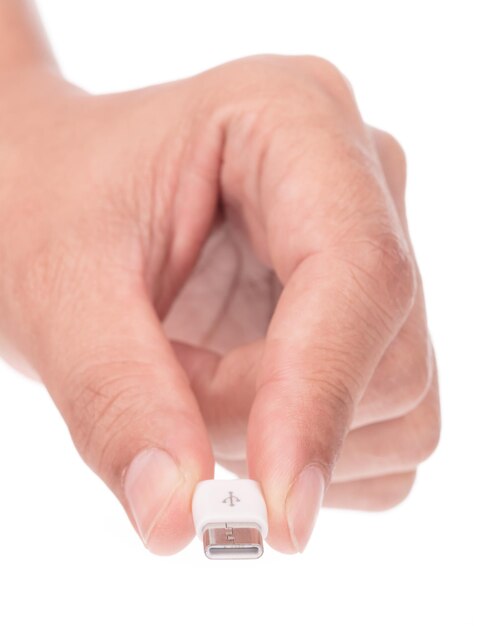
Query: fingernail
[[303, 503], [150, 482]]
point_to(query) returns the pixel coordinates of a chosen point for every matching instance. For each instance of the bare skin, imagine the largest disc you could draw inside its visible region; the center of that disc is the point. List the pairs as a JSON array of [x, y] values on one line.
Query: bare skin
[[218, 267]]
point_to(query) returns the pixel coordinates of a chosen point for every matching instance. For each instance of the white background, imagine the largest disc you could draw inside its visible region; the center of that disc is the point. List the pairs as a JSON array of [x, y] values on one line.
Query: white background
[[67, 552]]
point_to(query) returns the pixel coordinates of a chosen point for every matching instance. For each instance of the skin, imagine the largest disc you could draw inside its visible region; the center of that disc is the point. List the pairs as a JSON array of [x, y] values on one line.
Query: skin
[[218, 268]]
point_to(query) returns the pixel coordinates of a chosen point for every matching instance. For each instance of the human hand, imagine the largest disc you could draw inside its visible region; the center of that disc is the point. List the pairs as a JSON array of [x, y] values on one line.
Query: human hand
[[304, 312]]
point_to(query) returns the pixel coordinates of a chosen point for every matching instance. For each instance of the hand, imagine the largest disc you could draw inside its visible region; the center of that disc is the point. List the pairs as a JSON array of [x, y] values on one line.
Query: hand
[[231, 248]]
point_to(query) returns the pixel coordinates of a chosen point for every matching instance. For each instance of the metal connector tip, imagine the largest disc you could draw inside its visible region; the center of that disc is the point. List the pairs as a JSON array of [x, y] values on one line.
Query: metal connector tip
[[232, 541]]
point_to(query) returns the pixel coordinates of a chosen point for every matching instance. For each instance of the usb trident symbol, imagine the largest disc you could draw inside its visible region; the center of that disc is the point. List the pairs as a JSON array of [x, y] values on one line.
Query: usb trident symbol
[[231, 500]]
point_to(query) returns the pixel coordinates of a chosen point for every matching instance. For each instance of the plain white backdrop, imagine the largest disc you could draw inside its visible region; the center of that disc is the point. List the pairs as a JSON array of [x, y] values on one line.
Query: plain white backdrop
[[67, 552]]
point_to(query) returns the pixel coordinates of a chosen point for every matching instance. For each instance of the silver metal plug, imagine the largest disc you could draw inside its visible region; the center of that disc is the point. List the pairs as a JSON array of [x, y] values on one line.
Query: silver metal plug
[[232, 541]]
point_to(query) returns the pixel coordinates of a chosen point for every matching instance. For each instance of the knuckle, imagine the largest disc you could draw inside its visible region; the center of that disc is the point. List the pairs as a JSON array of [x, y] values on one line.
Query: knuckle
[[395, 273], [304, 82], [432, 439], [430, 436], [385, 271], [312, 64], [424, 436], [330, 77], [394, 264], [320, 66], [395, 492], [407, 376], [394, 151], [418, 377]]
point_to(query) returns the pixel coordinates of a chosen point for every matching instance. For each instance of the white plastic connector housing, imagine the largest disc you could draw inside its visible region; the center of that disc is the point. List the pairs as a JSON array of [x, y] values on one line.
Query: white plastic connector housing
[[231, 518]]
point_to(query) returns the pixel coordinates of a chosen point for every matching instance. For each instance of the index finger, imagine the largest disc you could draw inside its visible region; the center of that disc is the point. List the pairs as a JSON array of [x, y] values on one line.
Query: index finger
[[336, 243]]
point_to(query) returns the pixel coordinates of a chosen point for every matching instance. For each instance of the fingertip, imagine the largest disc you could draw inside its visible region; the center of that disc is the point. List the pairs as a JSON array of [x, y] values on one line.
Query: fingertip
[[302, 504], [159, 493], [293, 509], [173, 530]]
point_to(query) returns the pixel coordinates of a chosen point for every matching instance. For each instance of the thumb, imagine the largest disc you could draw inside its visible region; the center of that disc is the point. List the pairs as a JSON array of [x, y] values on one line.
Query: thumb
[[130, 410]]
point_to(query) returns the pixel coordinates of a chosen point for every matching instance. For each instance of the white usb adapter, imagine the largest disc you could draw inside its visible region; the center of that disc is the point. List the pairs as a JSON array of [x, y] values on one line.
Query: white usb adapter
[[231, 518]]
